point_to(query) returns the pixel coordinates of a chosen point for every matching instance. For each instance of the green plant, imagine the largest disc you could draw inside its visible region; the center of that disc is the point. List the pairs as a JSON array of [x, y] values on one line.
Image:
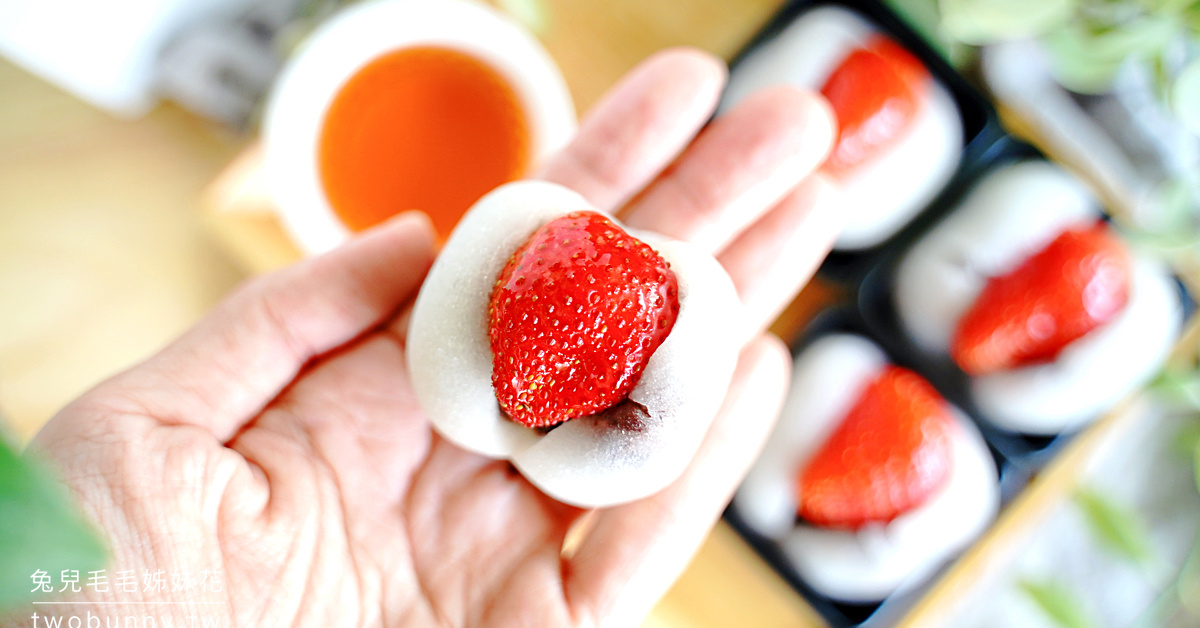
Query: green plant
[[1057, 602], [40, 528], [1089, 41]]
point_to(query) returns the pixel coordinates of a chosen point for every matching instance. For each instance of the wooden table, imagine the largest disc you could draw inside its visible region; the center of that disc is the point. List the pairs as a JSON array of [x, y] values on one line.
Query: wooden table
[[106, 254]]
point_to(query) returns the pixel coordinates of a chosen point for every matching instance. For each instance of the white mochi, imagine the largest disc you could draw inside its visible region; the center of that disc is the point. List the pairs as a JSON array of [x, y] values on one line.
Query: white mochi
[[875, 561], [884, 193], [587, 461], [1013, 213]]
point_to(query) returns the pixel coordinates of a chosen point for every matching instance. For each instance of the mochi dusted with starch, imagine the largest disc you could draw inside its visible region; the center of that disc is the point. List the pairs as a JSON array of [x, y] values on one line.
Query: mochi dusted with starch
[[1038, 300], [870, 481], [900, 135], [591, 356]]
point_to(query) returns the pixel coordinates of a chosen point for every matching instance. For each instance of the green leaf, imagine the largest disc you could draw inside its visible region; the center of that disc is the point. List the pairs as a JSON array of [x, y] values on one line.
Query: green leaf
[[988, 21], [1075, 64], [1179, 386], [1118, 529], [1058, 603], [1169, 7], [1185, 96], [1186, 440], [530, 13], [1176, 199], [1143, 37], [1196, 464], [1085, 59], [1191, 17], [39, 529]]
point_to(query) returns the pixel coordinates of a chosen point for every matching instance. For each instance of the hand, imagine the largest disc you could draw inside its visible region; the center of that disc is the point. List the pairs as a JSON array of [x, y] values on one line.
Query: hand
[[278, 443]]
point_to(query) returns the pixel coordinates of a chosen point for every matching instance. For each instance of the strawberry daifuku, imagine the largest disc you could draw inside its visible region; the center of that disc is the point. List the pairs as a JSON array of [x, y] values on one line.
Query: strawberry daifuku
[[591, 356], [574, 318], [1035, 298], [901, 135], [887, 478]]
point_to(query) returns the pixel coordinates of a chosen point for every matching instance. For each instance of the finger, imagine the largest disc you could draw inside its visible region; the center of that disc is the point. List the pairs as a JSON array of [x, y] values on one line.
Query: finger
[[772, 260], [235, 361], [639, 126], [738, 168], [635, 551]]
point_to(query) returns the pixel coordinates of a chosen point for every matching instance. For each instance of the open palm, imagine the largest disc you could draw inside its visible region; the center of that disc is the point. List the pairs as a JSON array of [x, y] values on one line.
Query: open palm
[[278, 445]]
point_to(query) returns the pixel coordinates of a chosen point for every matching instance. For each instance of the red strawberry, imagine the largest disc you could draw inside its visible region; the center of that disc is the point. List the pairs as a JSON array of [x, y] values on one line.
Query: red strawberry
[[875, 93], [1076, 283], [574, 317], [888, 455]]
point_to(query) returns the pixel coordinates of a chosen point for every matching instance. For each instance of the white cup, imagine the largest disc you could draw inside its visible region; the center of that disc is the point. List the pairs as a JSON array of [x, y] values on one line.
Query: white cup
[[344, 45]]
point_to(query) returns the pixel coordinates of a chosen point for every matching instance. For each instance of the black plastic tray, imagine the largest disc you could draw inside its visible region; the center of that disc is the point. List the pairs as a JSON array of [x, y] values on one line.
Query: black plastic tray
[[867, 277]]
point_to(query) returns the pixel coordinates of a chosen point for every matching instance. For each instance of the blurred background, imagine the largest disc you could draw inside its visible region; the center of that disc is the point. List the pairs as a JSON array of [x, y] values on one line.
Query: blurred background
[[128, 129]]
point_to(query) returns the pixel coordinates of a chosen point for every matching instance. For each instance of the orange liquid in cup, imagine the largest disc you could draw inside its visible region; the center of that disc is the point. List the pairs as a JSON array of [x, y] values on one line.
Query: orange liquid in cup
[[423, 128]]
